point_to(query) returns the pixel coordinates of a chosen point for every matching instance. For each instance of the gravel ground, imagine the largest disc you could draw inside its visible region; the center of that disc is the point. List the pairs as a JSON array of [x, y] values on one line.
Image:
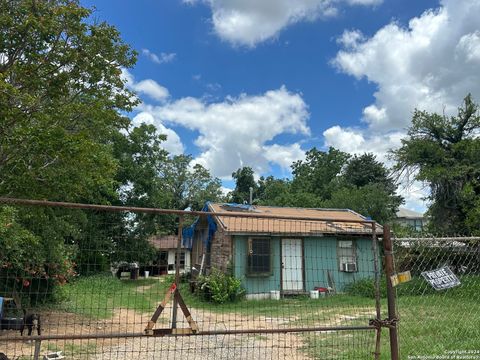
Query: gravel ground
[[207, 348], [228, 347]]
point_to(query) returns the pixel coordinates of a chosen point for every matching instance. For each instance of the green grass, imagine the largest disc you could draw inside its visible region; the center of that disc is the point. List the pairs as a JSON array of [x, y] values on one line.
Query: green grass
[[79, 351], [430, 324], [97, 296]]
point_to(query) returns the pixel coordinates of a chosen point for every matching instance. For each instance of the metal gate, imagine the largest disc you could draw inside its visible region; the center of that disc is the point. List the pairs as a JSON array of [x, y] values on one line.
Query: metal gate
[[107, 282]]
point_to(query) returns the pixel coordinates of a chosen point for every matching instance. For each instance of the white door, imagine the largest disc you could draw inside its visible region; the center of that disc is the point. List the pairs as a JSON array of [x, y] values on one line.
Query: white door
[[292, 265]]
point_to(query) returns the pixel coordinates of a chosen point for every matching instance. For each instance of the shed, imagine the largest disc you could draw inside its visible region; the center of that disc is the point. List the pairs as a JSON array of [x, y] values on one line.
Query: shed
[[166, 246], [293, 251]]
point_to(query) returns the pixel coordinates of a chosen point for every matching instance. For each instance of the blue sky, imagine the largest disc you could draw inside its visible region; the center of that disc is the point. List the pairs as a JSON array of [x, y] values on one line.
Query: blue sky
[[257, 83]]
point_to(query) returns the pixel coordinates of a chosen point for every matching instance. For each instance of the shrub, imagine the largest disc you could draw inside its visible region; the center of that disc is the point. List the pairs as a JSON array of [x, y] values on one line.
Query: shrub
[[219, 287], [366, 288], [30, 265]]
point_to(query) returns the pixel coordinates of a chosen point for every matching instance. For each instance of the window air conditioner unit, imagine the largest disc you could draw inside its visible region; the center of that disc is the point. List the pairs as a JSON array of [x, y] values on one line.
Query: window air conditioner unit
[[349, 267]]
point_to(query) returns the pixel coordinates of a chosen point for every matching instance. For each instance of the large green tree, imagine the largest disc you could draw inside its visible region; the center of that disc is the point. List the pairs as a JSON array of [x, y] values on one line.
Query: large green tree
[[61, 96], [62, 100], [318, 173], [366, 186], [444, 152], [331, 179]]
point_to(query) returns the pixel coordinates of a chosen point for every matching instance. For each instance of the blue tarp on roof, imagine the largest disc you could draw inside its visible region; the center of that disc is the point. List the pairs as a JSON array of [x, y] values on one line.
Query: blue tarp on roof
[[240, 207], [187, 233]]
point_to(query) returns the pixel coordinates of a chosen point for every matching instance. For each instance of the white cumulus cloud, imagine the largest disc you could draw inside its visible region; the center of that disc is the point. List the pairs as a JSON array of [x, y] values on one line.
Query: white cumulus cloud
[[249, 22], [430, 64], [240, 131], [284, 155], [163, 58], [147, 87]]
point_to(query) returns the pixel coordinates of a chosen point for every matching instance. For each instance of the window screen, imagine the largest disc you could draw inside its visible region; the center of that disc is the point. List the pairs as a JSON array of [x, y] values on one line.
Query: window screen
[[258, 260], [346, 252]]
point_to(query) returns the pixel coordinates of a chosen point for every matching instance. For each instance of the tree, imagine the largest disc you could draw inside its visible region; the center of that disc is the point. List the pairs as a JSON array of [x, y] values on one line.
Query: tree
[[318, 173], [188, 186], [140, 158], [367, 188], [61, 103], [271, 191], [443, 152], [365, 169], [244, 180], [61, 94], [331, 179], [370, 200]]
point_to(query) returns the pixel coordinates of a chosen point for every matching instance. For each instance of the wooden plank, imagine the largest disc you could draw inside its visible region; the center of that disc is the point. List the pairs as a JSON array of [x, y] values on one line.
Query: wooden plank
[[160, 308], [186, 312]]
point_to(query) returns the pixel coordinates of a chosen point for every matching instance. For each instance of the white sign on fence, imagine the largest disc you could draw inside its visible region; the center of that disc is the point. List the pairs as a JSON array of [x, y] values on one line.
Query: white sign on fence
[[442, 278]]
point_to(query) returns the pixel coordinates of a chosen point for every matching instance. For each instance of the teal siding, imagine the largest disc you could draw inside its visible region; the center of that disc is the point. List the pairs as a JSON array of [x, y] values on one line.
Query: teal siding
[[320, 255], [256, 284]]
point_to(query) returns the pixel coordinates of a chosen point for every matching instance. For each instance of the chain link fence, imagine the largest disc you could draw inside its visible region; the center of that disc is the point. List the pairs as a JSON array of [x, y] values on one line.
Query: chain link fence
[[439, 316], [230, 282]]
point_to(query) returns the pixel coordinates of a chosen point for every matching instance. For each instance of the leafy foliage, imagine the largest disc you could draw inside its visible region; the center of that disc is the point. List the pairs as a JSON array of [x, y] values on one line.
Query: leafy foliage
[[27, 261], [330, 179], [318, 173], [64, 136], [244, 180], [61, 93], [443, 152], [219, 287]]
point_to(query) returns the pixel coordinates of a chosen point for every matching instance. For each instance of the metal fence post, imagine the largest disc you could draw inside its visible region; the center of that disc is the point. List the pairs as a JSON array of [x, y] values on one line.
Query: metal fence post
[[389, 271], [177, 270]]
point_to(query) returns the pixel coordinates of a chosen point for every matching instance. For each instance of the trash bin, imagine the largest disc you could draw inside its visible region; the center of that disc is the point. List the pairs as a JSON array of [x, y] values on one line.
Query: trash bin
[[274, 294], [147, 274], [134, 271]]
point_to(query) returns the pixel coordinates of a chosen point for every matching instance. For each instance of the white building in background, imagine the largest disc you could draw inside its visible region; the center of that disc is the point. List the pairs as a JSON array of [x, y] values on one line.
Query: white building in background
[[166, 246], [411, 219]]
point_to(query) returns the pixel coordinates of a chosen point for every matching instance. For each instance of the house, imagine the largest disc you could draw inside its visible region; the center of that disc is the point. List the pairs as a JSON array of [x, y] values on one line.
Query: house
[[411, 219], [166, 246], [294, 252]]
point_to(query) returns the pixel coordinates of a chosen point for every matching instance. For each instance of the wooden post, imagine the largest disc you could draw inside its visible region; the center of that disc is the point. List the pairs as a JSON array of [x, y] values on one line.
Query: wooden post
[[377, 289], [36, 354], [177, 270], [389, 271]]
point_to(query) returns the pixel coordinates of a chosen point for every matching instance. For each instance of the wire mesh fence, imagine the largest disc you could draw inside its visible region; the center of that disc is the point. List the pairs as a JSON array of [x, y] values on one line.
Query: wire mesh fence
[[230, 282], [439, 308]]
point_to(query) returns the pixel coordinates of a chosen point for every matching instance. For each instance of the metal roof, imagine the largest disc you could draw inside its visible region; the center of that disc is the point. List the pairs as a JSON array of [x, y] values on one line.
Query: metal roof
[[295, 221], [409, 214], [164, 242]]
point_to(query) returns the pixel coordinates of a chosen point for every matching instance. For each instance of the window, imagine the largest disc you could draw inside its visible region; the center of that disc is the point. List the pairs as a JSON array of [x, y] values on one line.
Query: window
[[259, 256], [182, 260], [163, 258], [347, 258], [173, 259]]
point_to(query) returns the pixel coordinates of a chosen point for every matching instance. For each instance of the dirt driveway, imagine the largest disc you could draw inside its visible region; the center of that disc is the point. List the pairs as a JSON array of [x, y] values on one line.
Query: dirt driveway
[[244, 346], [228, 347]]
